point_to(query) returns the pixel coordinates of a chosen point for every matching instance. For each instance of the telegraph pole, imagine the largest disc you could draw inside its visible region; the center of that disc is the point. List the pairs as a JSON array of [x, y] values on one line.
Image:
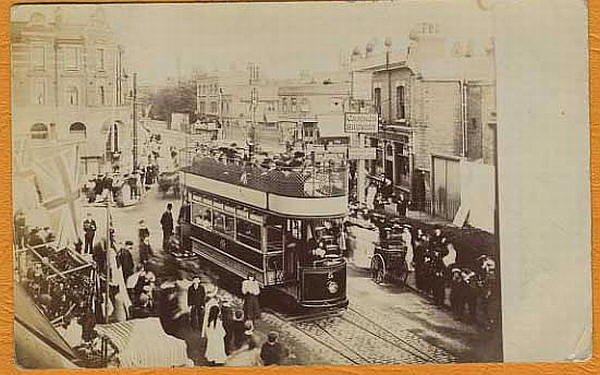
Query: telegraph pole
[[135, 130], [253, 102], [388, 45]]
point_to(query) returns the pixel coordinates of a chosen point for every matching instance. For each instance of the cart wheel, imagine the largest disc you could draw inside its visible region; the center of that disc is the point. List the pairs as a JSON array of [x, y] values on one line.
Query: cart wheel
[[377, 270]]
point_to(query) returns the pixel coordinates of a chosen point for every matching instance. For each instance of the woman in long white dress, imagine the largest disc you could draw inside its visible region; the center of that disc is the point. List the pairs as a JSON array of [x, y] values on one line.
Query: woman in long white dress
[[215, 338], [407, 239]]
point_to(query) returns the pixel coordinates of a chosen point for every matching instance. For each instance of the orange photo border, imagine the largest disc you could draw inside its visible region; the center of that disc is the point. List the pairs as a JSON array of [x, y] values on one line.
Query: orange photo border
[[7, 365]]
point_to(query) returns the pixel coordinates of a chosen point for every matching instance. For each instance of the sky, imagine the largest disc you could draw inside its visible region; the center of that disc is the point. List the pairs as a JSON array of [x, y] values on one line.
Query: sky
[[161, 40]]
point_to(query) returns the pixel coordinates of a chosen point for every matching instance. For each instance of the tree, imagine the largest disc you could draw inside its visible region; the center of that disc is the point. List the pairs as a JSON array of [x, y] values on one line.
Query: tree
[[179, 99]]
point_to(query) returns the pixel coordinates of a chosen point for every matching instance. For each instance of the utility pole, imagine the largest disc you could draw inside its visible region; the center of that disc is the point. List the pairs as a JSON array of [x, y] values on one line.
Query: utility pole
[[107, 260], [253, 101], [388, 45], [135, 130], [220, 112]]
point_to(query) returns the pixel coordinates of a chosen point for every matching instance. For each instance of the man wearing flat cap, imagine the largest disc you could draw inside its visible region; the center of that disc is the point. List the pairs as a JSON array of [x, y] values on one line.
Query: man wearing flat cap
[[272, 351]]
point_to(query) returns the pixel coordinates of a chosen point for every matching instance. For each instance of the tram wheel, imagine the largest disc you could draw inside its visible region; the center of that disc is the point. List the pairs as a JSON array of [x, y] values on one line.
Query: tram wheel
[[377, 270]]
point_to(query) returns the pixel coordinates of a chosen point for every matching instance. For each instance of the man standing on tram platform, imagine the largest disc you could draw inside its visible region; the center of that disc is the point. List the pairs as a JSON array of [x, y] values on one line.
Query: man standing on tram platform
[[166, 222]]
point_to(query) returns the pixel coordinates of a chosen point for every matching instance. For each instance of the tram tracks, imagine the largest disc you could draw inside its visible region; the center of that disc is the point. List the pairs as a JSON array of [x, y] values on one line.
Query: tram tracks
[[360, 340]]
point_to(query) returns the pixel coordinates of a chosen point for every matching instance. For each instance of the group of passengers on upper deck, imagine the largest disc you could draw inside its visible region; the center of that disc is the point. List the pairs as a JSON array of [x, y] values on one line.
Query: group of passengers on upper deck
[[291, 174]]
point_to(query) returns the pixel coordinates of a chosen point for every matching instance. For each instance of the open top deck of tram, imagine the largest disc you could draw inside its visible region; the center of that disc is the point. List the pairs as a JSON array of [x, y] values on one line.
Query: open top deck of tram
[[290, 185]]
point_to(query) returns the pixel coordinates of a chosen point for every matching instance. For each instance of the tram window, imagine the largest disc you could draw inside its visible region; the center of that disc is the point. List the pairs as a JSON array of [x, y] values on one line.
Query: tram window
[[274, 237], [248, 233], [201, 216], [223, 223], [294, 228]]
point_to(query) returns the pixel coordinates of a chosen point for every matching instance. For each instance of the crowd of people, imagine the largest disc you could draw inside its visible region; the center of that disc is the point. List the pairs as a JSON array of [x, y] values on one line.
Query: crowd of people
[[229, 327], [441, 271], [285, 173], [123, 188]]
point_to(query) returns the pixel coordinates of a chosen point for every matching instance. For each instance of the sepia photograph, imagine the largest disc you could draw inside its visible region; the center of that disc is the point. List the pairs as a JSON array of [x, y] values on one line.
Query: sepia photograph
[[255, 184]]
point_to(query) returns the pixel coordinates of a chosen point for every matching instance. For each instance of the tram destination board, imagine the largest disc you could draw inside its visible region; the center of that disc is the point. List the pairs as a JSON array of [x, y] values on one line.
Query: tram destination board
[[360, 122]]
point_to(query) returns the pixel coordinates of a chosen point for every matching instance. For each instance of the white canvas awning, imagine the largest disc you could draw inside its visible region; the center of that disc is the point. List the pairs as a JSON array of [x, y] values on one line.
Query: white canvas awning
[[143, 343]]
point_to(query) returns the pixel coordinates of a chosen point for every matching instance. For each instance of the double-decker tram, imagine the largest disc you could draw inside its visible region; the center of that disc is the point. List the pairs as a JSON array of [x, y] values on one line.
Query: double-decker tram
[[279, 220]]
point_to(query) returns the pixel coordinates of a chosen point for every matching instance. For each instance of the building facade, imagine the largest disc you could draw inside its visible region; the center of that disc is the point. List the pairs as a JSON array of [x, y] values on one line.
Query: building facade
[[313, 112], [238, 99], [70, 86], [437, 108]]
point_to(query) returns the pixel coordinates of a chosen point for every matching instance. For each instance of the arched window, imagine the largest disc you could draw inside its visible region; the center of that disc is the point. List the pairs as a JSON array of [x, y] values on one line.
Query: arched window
[[39, 131], [72, 96], [77, 129]]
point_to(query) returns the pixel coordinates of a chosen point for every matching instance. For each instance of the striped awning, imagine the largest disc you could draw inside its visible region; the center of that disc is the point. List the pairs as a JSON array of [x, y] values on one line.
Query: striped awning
[[143, 343]]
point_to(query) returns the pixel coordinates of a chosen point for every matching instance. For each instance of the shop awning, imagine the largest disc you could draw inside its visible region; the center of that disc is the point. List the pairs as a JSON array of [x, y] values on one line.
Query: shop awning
[[143, 343]]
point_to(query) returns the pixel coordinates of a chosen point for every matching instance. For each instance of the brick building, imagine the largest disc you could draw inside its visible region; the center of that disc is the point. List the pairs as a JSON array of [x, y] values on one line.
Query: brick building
[[312, 109], [227, 96], [70, 86], [437, 108]]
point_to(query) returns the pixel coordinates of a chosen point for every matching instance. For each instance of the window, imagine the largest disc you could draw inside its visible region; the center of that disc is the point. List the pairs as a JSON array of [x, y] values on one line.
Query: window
[[400, 104], [38, 57], [70, 55], [72, 96], [223, 223], [39, 131], [102, 96], [275, 237], [77, 129], [248, 233], [294, 103], [100, 57], [284, 105], [213, 107], [39, 92], [202, 107], [201, 216], [377, 99]]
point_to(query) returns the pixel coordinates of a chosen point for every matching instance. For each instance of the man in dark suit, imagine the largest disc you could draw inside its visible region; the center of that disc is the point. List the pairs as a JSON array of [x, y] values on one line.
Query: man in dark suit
[[196, 298], [89, 228], [402, 205], [126, 260], [166, 222]]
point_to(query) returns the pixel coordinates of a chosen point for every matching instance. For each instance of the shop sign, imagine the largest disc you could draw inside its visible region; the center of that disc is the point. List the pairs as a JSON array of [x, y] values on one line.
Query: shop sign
[[360, 122]]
